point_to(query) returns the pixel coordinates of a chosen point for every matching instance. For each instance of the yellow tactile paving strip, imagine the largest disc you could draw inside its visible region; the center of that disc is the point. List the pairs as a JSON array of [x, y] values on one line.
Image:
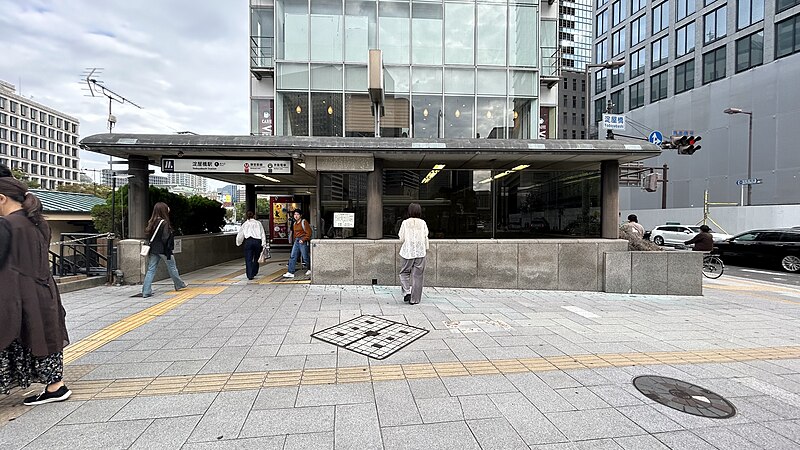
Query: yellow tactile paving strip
[[268, 279], [130, 323], [759, 290], [101, 389], [229, 278]]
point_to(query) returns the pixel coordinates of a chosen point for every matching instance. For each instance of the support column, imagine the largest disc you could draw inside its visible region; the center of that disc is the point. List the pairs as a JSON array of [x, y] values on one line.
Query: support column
[[609, 199], [138, 196], [375, 201], [249, 198]]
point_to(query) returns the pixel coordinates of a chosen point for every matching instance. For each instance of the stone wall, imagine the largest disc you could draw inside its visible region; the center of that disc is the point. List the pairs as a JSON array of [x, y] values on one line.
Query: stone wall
[[555, 264], [197, 252], [666, 273]]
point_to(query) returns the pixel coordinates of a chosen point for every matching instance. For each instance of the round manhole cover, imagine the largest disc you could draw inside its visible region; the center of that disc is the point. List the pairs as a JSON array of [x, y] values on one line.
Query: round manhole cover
[[683, 396]]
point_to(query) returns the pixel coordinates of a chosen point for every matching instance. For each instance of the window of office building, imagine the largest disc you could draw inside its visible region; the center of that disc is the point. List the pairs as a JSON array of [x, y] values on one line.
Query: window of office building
[[293, 30], [601, 3], [637, 62], [658, 87], [601, 24], [787, 37], [659, 51], [393, 31], [360, 28], [522, 35], [783, 5], [327, 30], [426, 33], [660, 17], [749, 12], [601, 51], [618, 42], [684, 76], [491, 45], [600, 81], [618, 102], [685, 8], [684, 40], [636, 95], [617, 76], [637, 5], [599, 109], [459, 40], [714, 65], [639, 29], [619, 11], [750, 51]]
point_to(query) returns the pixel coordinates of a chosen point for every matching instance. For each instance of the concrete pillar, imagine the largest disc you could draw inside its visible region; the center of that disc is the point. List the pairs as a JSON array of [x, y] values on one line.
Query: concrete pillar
[[249, 197], [138, 196], [375, 201], [609, 199]]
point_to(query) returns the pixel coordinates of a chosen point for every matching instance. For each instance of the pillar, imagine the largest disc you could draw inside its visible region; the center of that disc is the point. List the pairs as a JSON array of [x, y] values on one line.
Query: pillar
[[609, 199], [249, 198], [375, 201], [138, 196]]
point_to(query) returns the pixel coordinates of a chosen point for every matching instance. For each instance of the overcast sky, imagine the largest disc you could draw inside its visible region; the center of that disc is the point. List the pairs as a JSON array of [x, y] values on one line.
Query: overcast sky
[[184, 62]]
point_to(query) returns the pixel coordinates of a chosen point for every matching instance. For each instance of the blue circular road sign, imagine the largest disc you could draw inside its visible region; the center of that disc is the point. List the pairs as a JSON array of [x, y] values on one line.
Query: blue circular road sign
[[656, 138]]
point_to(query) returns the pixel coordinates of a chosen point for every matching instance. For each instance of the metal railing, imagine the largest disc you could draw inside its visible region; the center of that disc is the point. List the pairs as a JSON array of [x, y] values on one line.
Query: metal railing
[[80, 254], [262, 52], [551, 65]]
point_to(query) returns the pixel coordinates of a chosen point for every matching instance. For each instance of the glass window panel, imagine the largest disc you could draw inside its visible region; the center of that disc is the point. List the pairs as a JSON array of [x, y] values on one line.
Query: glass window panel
[[638, 29], [491, 37], [601, 23], [684, 76], [396, 121], [618, 102], [459, 81], [327, 30], [292, 114], [394, 19], [326, 114], [426, 79], [458, 115], [491, 82], [523, 118], [355, 78], [361, 25], [522, 83], [344, 192], [326, 77], [292, 76], [601, 52], [262, 37], [428, 113], [293, 30], [522, 36], [619, 11], [396, 79], [459, 26], [263, 118], [426, 33], [489, 118]]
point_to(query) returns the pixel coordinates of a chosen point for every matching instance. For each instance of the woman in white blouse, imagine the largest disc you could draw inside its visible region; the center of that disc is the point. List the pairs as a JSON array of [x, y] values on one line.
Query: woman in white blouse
[[252, 235], [413, 248]]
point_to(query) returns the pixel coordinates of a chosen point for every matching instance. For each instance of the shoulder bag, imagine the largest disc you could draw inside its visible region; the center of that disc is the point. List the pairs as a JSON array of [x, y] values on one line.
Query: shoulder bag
[[146, 247]]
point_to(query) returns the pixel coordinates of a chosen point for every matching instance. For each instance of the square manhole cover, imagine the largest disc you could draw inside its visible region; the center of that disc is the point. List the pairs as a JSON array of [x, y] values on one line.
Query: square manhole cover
[[371, 336]]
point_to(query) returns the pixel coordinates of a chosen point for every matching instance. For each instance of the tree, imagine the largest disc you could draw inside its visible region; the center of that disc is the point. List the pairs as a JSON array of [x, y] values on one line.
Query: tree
[[25, 178], [98, 190]]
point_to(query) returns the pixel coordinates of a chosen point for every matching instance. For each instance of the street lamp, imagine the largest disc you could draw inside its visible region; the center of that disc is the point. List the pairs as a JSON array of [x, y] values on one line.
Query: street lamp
[[749, 147], [605, 65]]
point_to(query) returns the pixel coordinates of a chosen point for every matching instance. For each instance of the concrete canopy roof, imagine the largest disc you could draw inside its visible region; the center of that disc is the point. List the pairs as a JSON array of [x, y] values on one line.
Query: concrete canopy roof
[[400, 153]]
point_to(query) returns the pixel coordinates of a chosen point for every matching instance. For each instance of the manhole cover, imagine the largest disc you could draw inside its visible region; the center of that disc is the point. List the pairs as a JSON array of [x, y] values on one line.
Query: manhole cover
[[371, 336], [683, 396]]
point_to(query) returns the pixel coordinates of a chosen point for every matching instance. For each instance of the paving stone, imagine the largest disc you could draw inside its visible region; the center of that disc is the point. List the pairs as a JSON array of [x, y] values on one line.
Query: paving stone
[[165, 406], [276, 398], [395, 403], [684, 440], [582, 398], [167, 433], [649, 418], [640, 442], [482, 384], [310, 441], [478, 407], [594, 424], [274, 422], [225, 360], [121, 371], [764, 437], [428, 388], [261, 443], [439, 409], [435, 436], [786, 428], [616, 396], [545, 398], [496, 433], [532, 425], [334, 394], [95, 411], [29, 426], [225, 417], [92, 435], [357, 427]]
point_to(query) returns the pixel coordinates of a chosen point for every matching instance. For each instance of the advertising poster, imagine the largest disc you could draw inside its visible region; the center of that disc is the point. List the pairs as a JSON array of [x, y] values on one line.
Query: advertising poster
[[280, 218]]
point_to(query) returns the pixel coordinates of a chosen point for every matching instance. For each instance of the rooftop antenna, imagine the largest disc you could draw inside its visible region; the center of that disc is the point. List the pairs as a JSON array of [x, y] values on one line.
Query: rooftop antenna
[[96, 88]]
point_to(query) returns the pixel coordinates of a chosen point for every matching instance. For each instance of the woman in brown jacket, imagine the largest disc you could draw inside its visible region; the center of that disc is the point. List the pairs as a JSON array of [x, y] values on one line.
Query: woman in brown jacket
[[33, 332]]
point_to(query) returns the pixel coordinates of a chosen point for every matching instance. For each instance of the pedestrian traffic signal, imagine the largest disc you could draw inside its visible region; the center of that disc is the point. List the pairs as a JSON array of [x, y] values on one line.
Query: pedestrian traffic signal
[[686, 145]]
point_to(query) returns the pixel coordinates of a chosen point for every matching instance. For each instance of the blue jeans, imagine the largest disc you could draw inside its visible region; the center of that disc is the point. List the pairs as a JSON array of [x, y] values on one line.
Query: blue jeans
[[303, 249], [152, 265]]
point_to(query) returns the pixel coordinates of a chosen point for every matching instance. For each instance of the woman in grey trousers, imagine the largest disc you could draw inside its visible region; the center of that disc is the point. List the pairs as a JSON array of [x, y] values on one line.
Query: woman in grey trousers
[[413, 248]]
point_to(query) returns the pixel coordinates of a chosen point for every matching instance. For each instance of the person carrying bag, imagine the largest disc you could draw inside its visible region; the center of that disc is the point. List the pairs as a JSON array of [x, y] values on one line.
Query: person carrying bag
[[254, 238], [162, 244]]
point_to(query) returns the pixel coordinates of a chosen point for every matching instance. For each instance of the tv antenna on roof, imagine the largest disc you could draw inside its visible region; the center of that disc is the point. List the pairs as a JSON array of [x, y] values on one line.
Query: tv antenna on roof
[[97, 88]]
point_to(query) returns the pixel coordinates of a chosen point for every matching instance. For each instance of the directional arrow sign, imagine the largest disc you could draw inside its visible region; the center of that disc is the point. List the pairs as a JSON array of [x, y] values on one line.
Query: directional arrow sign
[[656, 137], [749, 181]]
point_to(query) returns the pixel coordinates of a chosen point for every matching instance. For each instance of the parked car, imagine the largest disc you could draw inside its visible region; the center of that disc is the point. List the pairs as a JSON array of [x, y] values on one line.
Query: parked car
[[678, 234], [779, 246]]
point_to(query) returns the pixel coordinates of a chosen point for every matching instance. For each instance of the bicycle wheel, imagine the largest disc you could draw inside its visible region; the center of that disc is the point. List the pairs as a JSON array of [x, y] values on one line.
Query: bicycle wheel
[[712, 267]]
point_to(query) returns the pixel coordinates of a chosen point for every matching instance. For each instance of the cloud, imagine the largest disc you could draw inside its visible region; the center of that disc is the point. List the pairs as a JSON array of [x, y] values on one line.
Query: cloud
[[184, 62]]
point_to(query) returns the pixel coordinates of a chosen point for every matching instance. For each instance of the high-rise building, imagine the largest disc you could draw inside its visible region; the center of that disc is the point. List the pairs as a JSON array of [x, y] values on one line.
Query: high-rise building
[[575, 47], [196, 183], [686, 62], [155, 180], [38, 140], [485, 69]]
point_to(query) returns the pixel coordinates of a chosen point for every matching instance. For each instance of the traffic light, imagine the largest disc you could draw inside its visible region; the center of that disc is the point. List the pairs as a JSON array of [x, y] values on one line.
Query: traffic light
[[650, 182], [686, 145]]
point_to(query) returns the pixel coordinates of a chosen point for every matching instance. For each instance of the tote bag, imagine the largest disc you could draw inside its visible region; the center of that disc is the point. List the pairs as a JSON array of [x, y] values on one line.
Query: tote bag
[[146, 247]]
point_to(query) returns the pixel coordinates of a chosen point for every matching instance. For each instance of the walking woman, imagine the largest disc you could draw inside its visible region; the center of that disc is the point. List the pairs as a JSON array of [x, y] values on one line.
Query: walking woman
[[413, 248], [32, 331], [254, 237], [162, 243]]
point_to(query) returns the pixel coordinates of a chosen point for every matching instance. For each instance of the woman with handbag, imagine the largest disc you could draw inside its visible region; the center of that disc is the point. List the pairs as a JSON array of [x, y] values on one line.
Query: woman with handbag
[[254, 238], [159, 246], [413, 249], [33, 332]]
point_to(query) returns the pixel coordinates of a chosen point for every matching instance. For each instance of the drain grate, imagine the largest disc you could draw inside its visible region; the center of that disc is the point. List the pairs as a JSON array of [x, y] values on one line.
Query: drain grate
[[685, 397], [371, 336]]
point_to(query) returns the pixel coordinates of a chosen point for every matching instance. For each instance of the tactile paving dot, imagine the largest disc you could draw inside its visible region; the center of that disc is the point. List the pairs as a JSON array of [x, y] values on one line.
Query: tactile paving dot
[[371, 336]]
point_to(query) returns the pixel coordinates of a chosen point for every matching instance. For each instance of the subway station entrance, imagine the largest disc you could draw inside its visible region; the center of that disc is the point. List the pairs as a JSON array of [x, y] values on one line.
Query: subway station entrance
[[468, 188]]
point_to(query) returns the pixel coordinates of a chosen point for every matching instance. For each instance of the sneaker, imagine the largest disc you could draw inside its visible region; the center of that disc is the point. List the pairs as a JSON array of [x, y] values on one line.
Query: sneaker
[[308, 273], [407, 298], [288, 275], [48, 397]]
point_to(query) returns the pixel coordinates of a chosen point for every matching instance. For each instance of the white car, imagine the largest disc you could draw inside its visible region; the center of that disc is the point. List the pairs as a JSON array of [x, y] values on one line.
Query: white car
[[678, 234]]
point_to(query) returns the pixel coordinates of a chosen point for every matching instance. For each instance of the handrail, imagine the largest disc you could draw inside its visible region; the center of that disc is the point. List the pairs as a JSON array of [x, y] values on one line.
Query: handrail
[[78, 254], [262, 52]]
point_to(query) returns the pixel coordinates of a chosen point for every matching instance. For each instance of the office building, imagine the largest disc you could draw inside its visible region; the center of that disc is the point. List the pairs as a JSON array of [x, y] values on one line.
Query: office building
[[686, 62], [38, 140], [122, 180], [575, 44]]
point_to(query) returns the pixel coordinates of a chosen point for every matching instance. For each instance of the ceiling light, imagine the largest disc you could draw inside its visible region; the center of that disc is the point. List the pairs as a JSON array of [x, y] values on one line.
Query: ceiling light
[[425, 112], [516, 114], [432, 173], [330, 110], [298, 109], [302, 164], [458, 114], [489, 114]]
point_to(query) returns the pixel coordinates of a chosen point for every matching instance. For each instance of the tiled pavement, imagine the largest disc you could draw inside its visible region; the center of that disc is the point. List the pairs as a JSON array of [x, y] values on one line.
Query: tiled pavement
[[231, 364]]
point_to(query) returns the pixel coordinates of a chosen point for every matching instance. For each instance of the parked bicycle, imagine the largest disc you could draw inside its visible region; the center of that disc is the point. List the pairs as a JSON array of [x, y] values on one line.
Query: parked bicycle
[[712, 266]]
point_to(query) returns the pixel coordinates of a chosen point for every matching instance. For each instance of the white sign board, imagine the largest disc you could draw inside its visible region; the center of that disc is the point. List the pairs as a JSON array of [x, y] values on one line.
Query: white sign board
[[747, 181], [192, 165], [614, 122], [344, 220], [178, 246]]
